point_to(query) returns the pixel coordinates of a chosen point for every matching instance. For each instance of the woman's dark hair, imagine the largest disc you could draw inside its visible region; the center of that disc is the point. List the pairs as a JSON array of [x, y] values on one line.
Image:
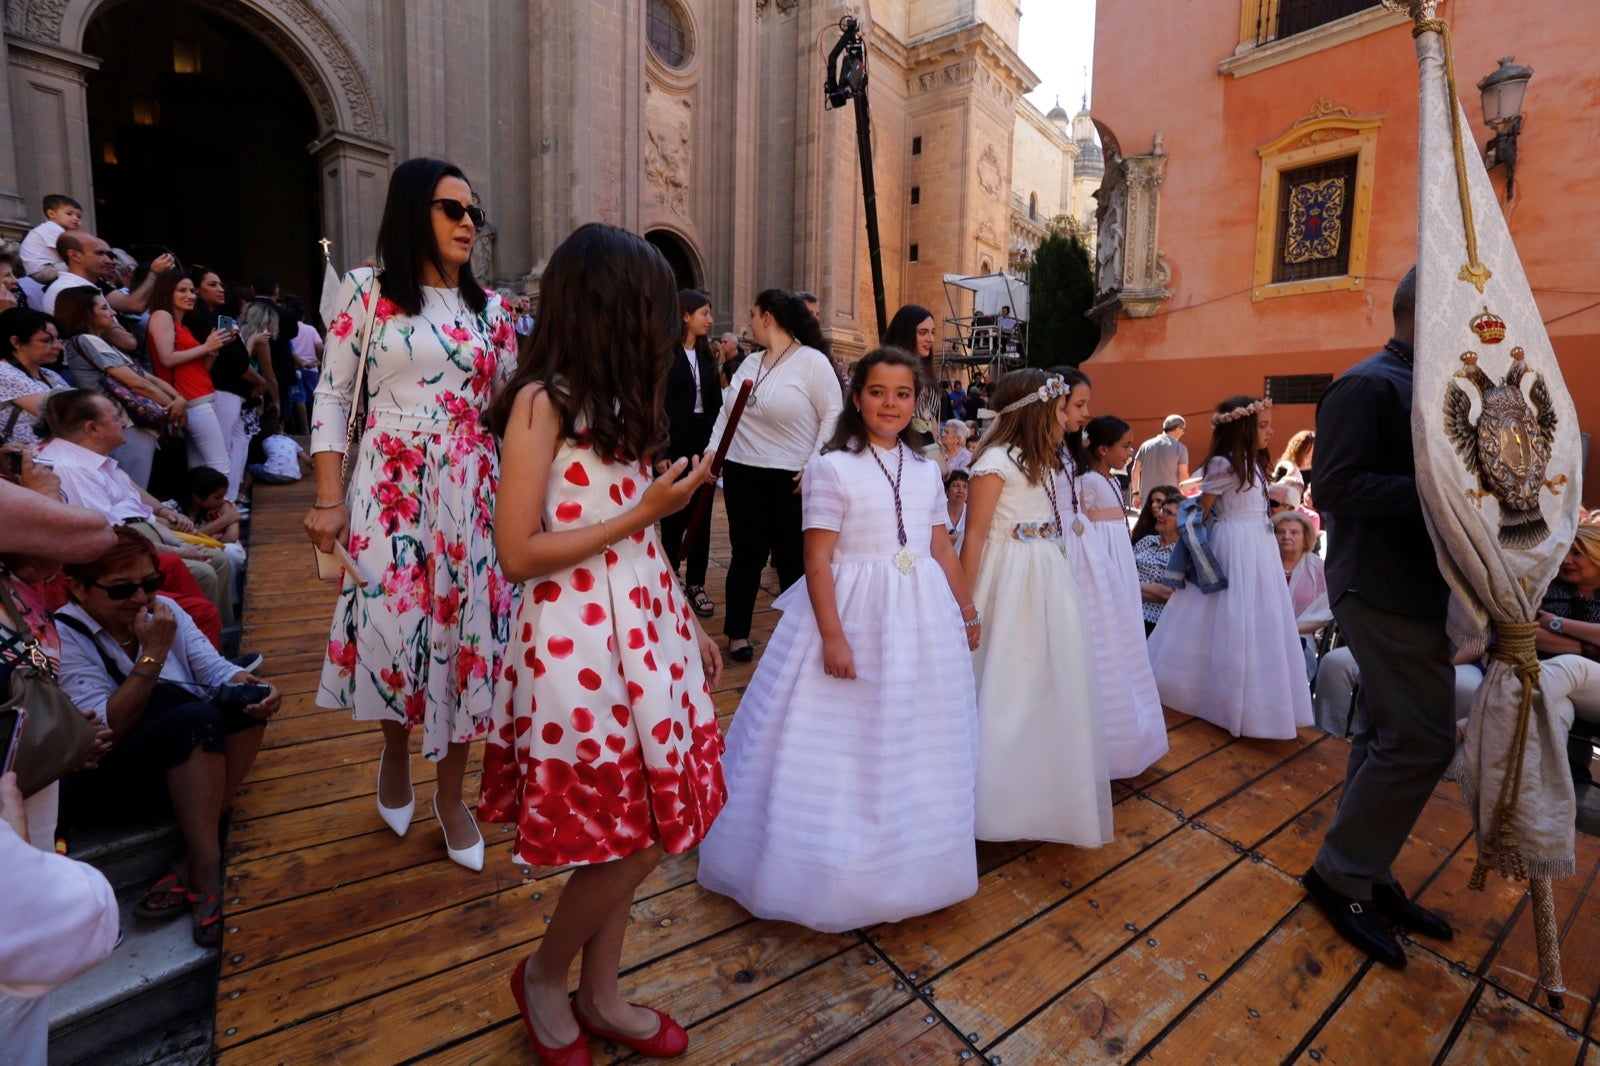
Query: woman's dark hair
[[75, 310], [690, 301], [162, 292], [1145, 524], [68, 409], [793, 317], [128, 547], [17, 326], [603, 343], [405, 237], [850, 432], [1102, 432], [204, 480], [1235, 441], [956, 475], [902, 331]]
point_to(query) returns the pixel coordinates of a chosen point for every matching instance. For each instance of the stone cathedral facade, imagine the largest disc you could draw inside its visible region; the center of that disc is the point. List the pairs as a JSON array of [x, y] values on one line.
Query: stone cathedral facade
[[239, 132]]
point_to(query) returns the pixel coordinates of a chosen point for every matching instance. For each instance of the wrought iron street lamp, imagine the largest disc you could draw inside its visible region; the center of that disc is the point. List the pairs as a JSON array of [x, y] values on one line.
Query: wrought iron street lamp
[[1502, 112]]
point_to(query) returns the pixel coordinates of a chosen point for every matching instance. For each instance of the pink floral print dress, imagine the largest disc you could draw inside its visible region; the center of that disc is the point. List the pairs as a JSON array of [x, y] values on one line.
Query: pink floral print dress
[[421, 643], [605, 738]]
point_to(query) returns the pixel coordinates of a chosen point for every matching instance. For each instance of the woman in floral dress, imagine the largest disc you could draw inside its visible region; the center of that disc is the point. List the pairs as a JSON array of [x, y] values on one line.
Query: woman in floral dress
[[605, 751], [419, 644]]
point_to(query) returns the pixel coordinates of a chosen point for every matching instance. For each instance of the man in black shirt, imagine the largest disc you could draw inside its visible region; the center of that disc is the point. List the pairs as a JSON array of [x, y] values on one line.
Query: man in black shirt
[[1390, 601]]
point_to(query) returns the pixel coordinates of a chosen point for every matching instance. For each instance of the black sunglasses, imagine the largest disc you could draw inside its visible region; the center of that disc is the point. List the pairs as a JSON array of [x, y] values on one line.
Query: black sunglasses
[[455, 211], [124, 590]]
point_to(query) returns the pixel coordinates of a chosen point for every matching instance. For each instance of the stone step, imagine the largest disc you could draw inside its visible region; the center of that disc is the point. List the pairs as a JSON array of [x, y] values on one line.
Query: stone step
[[154, 990], [130, 855]]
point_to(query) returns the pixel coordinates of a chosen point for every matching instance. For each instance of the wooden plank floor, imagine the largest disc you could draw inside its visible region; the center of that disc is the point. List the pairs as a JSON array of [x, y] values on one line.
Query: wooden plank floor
[[1187, 940]]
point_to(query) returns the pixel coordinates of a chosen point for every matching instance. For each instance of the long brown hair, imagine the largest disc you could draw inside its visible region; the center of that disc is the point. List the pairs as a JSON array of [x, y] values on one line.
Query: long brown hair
[[1030, 429], [1236, 442], [1295, 451], [603, 343]]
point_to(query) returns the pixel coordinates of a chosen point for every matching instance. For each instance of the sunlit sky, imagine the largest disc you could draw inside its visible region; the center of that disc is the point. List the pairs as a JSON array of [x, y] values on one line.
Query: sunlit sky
[[1057, 41]]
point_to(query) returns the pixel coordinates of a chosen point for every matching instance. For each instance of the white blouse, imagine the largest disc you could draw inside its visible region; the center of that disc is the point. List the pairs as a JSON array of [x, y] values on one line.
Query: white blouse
[[789, 417]]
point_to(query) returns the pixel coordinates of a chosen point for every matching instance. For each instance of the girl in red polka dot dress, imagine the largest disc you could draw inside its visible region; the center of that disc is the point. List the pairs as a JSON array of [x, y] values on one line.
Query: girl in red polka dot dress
[[604, 749]]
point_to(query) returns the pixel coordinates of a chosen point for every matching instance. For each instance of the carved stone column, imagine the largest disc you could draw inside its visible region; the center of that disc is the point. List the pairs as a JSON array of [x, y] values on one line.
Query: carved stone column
[[353, 175], [49, 120], [1131, 276], [15, 216]]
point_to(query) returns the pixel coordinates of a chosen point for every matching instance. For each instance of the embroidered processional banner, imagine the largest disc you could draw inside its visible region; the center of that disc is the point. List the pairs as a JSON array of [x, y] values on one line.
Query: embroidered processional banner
[[1497, 448]]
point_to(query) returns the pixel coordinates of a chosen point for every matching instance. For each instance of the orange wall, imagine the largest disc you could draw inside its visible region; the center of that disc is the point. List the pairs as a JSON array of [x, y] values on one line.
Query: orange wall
[[1157, 72]]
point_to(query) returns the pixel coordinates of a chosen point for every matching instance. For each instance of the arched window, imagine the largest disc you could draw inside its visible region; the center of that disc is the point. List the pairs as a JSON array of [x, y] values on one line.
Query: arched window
[[668, 33]]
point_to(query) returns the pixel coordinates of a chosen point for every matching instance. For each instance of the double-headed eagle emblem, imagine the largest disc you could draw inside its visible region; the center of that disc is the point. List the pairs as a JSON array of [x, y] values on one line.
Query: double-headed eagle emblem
[[1508, 449]]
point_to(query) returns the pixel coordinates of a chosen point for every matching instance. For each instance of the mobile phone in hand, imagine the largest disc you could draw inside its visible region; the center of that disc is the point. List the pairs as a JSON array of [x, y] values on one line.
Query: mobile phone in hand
[[11, 722]]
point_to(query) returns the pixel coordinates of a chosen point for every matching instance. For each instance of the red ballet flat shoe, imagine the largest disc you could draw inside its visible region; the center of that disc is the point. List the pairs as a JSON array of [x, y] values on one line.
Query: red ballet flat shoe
[[668, 1041], [573, 1054]]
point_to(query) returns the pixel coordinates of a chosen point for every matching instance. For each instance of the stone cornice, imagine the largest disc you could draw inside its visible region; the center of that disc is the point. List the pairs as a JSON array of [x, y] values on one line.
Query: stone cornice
[[52, 57], [1035, 118], [976, 41]]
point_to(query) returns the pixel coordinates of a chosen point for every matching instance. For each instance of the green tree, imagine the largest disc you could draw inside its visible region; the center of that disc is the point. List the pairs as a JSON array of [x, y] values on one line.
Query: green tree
[[1060, 293]]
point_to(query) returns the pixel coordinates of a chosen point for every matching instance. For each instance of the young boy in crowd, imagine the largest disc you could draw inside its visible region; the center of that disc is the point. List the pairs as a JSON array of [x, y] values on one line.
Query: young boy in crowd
[[213, 516], [38, 252], [275, 458]]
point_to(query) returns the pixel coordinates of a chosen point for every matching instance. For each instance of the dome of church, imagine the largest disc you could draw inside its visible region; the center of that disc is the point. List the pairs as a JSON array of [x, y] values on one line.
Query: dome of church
[[1091, 161], [1058, 113]]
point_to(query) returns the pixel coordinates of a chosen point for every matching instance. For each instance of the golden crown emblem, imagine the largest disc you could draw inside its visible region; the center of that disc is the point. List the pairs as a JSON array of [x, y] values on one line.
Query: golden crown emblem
[[1490, 327]]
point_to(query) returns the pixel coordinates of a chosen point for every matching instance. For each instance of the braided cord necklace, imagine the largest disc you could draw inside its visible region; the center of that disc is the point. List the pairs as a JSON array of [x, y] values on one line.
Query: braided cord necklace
[[905, 560]]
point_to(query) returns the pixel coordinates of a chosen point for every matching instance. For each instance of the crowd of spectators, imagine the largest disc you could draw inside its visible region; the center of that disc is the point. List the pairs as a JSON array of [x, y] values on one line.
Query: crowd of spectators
[[138, 399]]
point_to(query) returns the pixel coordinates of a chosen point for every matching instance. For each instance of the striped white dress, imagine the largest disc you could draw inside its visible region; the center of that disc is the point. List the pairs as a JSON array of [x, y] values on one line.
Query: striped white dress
[[850, 802]]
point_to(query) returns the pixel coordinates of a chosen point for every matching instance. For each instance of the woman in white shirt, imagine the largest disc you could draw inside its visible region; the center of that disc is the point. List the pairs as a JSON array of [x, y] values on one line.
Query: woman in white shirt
[[794, 402]]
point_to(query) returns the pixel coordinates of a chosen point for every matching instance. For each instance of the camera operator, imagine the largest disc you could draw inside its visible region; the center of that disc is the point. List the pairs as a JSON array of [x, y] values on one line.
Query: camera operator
[[177, 711]]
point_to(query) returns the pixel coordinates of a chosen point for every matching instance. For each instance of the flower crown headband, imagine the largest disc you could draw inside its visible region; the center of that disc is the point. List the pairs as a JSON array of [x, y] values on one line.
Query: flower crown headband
[[1247, 411], [1053, 389]]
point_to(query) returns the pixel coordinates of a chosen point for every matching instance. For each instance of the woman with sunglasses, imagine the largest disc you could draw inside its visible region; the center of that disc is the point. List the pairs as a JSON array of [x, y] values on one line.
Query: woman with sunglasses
[[1154, 534], [137, 661], [421, 645]]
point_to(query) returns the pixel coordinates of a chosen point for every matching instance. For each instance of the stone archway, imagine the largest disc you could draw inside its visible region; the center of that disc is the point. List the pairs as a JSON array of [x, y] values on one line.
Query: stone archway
[[680, 257], [352, 151]]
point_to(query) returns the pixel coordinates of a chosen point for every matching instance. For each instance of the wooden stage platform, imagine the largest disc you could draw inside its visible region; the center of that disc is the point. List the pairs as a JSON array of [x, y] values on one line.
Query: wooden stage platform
[[1187, 940]]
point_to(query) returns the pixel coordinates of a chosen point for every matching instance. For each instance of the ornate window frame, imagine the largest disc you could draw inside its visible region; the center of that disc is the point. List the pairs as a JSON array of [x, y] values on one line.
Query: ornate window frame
[[1250, 57], [1328, 132], [680, 77]]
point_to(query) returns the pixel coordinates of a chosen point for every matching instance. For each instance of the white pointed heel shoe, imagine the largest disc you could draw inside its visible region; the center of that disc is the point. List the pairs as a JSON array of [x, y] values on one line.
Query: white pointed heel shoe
[[470, 857], [396, 818]]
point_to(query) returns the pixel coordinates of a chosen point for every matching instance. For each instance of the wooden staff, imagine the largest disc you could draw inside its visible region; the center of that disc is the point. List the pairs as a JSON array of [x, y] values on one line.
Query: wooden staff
[[702, 499]]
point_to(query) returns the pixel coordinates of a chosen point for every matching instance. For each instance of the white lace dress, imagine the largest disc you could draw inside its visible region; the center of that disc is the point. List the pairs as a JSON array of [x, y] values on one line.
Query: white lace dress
[[1234, 657], [1041, 756], [1102, 560], [850, 801]]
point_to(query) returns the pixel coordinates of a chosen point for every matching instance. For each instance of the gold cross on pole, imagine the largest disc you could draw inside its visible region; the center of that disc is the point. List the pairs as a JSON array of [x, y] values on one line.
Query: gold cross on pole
[[326, 244]]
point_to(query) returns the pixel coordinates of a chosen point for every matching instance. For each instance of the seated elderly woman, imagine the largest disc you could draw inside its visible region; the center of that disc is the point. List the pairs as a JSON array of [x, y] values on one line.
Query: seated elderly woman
[[953, 453], [179, 714], [1154, 533], [1308, 586], [956, 484]]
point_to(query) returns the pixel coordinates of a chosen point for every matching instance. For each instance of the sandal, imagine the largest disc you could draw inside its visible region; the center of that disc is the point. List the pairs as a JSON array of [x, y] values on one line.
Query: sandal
[[700, 601], [207, 918], [165, 899]]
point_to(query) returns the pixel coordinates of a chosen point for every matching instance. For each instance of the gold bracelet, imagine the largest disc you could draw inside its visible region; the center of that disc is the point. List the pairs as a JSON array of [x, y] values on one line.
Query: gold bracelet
[[605, 538], [328, 506]]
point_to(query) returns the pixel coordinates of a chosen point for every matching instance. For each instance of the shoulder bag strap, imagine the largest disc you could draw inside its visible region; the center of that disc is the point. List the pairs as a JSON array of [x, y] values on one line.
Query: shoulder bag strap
[[73, 624], [31, 653], [358, 401]]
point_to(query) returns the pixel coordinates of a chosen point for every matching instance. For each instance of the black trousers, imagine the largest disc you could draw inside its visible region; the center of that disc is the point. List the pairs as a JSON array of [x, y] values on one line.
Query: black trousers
[[763, 521], [697, 553]]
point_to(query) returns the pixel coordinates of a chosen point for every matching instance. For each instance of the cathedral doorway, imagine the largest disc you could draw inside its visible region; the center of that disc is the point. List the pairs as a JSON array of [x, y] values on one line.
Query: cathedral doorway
[[679, 257], [198, 136]]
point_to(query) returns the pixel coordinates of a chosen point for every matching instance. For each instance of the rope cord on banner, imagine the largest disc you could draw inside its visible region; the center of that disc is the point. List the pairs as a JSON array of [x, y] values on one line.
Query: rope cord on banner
[[1514, 644]]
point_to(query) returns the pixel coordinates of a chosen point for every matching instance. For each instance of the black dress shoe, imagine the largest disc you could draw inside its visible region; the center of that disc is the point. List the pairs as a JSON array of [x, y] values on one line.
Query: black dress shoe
[[1391, 902], [742, 655], [1357, 921]]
